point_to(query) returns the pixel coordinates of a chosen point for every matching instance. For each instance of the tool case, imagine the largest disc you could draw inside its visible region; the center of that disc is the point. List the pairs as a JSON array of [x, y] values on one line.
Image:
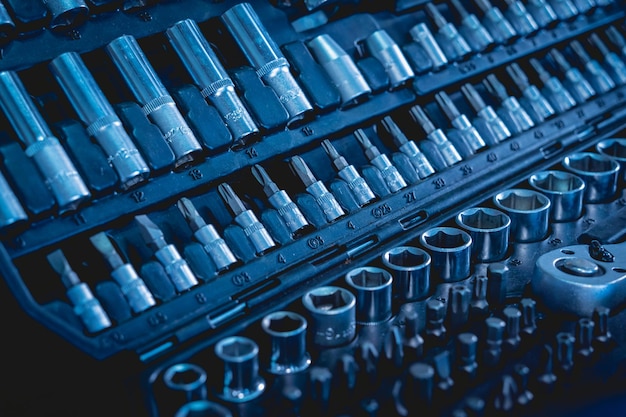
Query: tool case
[[298, 208]]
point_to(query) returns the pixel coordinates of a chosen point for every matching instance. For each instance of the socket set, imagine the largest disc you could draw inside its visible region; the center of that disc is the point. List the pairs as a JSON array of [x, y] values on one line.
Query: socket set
[[315, 198]]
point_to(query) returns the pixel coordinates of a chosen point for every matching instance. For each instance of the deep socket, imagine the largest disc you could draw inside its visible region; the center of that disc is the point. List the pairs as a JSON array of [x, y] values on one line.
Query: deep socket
[[565, 192], [187, 378], [599, 172], [373, 288], [65, 14], [388, 53], [11, 211], [529, 212], [287, 333], [489, 229], [410, 267], [450, 251], [333, 315], [240, 360]]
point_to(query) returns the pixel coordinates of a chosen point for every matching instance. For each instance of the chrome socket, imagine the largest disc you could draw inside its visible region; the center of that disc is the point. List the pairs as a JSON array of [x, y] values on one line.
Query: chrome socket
[[373, 294], [240, 358], [489, 229], [333, 315], [529, 212], [565, 192], [203, 408], [187, 378], [410, 268], [450, 250], [287, 332], [423, 37], [255, 231], [88, 308], [11, 211], [599, 172], [388, 53], [176, 268], [614, 149]]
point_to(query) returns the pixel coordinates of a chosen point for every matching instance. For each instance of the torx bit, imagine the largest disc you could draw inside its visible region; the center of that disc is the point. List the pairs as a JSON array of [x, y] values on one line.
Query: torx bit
[[359, 187], [564, 9], [266, 58], [279, 199], [491, 128], [99, 118], [460, 122], [11, 211], [408, 147], [597, 76], [213, 244], [523, 22], [614, 64], [423, 37], [617, 39], [209, 75], [510, 110], [244, 217], [390, 173], [156, 102], [324, 198], [86, 306], [435, 135], [65, 14], [451, 41], [533, 101], [500, 28], [558, 96], [175, 266], [58, 171], [477, 36], [542, 11], [132, 286], [577, 85], [388, 53]]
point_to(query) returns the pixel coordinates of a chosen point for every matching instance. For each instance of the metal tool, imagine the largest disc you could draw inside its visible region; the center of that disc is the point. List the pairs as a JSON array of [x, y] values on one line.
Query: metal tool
[[491, 128], [244, 217], [617, 39], [213, 244], [558, 96], [266, 58], [585, 6], [66, 13], [287, 332], [489, 229], [599, 172], [389, 172], [445, 148], [574, 81], [58, 171], [188, 378], [613, 63], [408, 147], [86, 306], [537, 106], [424, 38], [565, 192], [477, 36], [341, 69], [564, 9], [11, 211], [388, 53], [614, 148], [324, 198], [372, 287], [240, 359], [450, 251], [466, 349], [449, 39], [203, 408], [513, 114], [598, 77], [494, 335], [529, 212], [542, 12], [333, 315], [410, 267], [459, 298], [175, 266], [500, 28], [7, 25], [512, 317], [497, 283], [523, 22], [100, 119], [137, 295], [461, 124], [435, 316], [209, 75], [359, 187]]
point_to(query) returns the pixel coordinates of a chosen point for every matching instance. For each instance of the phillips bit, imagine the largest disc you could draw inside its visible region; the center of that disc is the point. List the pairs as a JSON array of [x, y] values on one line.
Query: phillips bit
[[491, 128], [423, 37], [523, 22], [477, 36], [599, 79], [175, 266], [409, 148], [252, 227], [451, 41], [86, 306], [500, 28], [360, 189], [287, 209], [435, 135], [533, 101], [132, 286], [206, 234], [577, 85], [58, 171], [542, 12], [617, 39], [462, 126], [510, 110], [558, 96], [613, 63], [390, 174], [388, 53], [564, 9], [324, 198]]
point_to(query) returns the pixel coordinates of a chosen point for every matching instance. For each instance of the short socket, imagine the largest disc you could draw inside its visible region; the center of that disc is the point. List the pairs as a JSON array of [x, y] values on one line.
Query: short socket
[[565, 192], [529, 212], [410, 267], [450, 250], [332, 311], [287, 332], [372, 287], [489, 229], [187, 378], [386, 50], [615, 149], [203, 408], [599, 172], [240, 358]]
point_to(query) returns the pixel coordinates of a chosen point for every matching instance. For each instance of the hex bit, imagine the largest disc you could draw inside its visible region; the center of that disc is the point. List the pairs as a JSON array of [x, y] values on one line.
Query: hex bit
[[451, 41], [617, 39], [461, 124], [500, 28], [513, 114], [542, 12], [596, 74], [533, 101], [489, 124], [477, 36], [408, 147], [575, 82], [555, 92], [436, 136], [614, 64], [389, 172], [523, 22]]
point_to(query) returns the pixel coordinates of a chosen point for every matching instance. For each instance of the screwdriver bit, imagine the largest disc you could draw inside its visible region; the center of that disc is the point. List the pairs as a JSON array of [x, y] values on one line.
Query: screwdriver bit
[[500, 28], [86, 306], [390, 173], [512, 317], [506, 393], [537, 106], [498, 277], [266, 57], [546, 379], [409, 148], [388, 53], [324, 198], [479, 307], [393, 348], [510, 110], [418, 387], [133, 287], [424, 38], [523, 22], [451, 41], [461, 124], [595, 73], [58, 171], [603, 336], [564, 9], [558, 96], [617, 39], [584, 337], [413, 341], [287, 209], [493, 336], [577, 85], [11, 211], [435, 316], [466, 347], [477, 36], [359, 187], [66, 14], [436, 136], [252, 227], [585, 6], [206, 234], [459, 297], [565, 352], [542, 12], [491, 128], [175, 266], [614, 64], [443, 371]]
